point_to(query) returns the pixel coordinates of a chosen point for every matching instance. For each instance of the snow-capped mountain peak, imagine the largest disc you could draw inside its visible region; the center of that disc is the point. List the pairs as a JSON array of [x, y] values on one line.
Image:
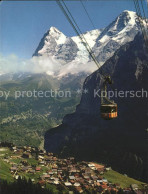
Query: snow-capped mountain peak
[[70, 51], [125, 21], [60, 38], [54, 29], [59, 55], [90, 36], [126, 18], [48, 44], [122, 30]]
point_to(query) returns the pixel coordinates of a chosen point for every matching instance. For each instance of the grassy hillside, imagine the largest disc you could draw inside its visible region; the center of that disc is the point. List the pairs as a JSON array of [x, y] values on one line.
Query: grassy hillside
[[5, 167], [124, 181], [24, 120], [111, 175]]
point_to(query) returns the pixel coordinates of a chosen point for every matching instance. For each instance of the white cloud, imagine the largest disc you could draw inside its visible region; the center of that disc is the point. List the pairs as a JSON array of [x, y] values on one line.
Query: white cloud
[[12, 64], [77, 67]]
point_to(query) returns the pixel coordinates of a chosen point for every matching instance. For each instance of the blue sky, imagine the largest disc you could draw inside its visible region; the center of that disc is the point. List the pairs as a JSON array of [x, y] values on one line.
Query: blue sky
[[23, 23]]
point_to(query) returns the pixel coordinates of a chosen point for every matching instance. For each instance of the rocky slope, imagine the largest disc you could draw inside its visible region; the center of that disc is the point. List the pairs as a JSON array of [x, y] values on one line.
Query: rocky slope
[[55, 43], [70, 51], [120, 143], [59, 56]]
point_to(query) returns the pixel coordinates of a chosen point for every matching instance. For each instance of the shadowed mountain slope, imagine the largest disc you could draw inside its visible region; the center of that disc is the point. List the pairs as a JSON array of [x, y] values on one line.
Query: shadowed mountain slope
[[120, 143]]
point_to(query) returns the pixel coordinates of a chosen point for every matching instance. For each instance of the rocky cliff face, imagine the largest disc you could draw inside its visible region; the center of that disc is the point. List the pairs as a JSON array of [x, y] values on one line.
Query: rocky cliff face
[[55, 43], [103, 42], [120, 143], [122, 30]]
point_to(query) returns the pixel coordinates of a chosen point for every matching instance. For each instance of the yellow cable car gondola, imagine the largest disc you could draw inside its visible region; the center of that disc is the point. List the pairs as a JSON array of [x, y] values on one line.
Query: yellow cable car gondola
[[108, 108], [108, 111]]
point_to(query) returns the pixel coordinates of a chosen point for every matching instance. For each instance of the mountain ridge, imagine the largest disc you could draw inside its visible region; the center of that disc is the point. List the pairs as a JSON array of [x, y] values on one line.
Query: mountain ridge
[[121, 142], [103, 42], [59, 55]]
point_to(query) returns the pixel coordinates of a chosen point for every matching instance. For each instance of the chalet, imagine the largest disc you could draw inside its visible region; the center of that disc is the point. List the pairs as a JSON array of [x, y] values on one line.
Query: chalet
[[13, 169], [105, 180], [25, 169], [24, 162], [24, 148], [54, 171], [71, 158], [134, 187], [88, 170], [38, 169], [41, 153], [15, 157], [86, 186], [100, 181], [32, 171], [77, 175], [29, 149], [90, 182], [50, 172], [108, 168], [48, 159], [55, 166], [33, 149], [50, 181], [56, 182], [14, 148], [99, 167], [91, 165], [50, 154], [77, 184], [79, 189], [98, 184], [81, 180], [68, 184], [26, 155], [44, 173], [73, 170], [55, 159], [47, 176], [16, 177], [42, 182], [85, 176], [19, 151], [70, 166], [104, 186], [42, 163], [52, 178], [64, 168], [40, 157], [6, 160], [94, 177], [71, 177]]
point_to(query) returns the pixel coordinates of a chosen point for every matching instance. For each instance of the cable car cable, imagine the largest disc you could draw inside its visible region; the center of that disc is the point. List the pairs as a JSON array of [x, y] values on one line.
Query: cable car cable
[[142, 20], [147, 6], [84, 39], [87, 14], [145, 19], [139, 19], [142, 17], [78, 31], [80, 35], [89, 17], [112, 107], [143, 11]]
